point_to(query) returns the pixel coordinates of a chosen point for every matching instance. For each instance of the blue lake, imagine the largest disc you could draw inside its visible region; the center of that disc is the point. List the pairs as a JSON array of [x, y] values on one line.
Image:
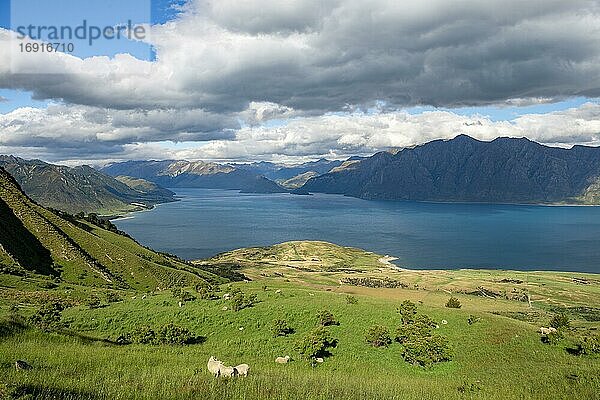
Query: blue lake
[[422, 235]]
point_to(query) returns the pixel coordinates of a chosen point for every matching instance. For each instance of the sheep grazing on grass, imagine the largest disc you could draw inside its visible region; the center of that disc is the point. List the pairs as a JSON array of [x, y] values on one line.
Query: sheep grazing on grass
[[227, 371], [215, 366], [242, 369], [319, 360], [546, 331], [21, 365], [282, 360]]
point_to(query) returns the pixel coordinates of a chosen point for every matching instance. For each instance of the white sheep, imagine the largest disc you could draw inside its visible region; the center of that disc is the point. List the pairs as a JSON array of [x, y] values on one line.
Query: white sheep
[[282, 360], [319, 360], [242, 369], [546, 331], [214, 366], [227, 371]]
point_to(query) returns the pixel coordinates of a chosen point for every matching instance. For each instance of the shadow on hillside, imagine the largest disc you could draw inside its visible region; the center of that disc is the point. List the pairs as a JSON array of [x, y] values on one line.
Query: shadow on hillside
[[22, 245], [10, 327], [88, 339], [31, 391], [196, 340]]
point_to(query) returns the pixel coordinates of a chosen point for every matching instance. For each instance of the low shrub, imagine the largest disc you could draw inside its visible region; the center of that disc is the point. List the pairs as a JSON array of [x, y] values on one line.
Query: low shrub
[[588, 344], [93, 302], [113, 297], [554, 337], [425, 351], [172, 334], [208, 292], [169, 334], [48, 317], [378, 336], [407, 311], [280, 327], [326, 318], [124, 339], [143, 335], [181, 294], [420, 327], [316, 343], [473, 319], [560, 321], [239, 300], [453, 302], [351, 299]]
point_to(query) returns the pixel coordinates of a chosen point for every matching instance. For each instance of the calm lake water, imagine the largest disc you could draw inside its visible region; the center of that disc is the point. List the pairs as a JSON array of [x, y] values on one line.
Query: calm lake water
[[422, 235]]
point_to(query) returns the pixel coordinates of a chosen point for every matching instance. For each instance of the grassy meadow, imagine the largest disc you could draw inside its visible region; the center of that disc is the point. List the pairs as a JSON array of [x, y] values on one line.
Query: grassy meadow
[[499, 357]]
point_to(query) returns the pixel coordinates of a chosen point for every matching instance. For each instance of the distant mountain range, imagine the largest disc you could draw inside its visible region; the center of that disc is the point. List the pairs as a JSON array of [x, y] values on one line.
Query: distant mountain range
[[35, 241], [467, 170], [82, 188], [283, 172], [463, 169], [195, 174]]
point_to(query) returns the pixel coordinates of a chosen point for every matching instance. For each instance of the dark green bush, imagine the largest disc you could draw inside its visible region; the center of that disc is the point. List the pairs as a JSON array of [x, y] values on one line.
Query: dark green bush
[[280, 327], [378, 336], [453, 302], [173, 334], [425, 351], [316, 343], [588, 344], [143, 335], [113, 297], [560, 321], [326, 318], [93, 301], [48, 316], [554, 337], [181, 294], [124, 339], [473, 319], [351, 299], [208, 292], [239, 300], [407, 311], [420, 327]]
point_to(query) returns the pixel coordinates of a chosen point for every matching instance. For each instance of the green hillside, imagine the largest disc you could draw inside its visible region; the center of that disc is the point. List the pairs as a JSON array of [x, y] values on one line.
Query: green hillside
[[115, 351], [36, 240], [97, 316], [82, 188]]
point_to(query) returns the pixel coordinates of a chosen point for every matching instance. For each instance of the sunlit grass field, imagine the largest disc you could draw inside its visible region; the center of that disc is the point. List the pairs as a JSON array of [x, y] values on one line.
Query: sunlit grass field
[[496, 358]]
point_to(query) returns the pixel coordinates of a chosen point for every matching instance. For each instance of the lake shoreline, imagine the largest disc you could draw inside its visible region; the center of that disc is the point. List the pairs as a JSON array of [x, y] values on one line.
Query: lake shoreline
[[425, 235]]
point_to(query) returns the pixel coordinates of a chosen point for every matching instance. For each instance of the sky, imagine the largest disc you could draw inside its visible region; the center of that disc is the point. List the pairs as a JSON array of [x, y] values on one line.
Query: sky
[[297, 80]]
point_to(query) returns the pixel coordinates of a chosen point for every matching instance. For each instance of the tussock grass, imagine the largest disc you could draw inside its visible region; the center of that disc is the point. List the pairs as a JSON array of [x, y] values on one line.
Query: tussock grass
[[502, 356]]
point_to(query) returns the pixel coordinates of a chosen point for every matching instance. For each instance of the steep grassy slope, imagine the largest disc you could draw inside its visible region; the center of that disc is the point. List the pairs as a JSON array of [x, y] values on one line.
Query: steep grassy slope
[[81, 188], [35, 239], [499, 357]]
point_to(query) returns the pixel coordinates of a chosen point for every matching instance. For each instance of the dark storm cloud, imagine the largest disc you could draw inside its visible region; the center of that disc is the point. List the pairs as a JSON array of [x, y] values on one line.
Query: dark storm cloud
[[227, 64]]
